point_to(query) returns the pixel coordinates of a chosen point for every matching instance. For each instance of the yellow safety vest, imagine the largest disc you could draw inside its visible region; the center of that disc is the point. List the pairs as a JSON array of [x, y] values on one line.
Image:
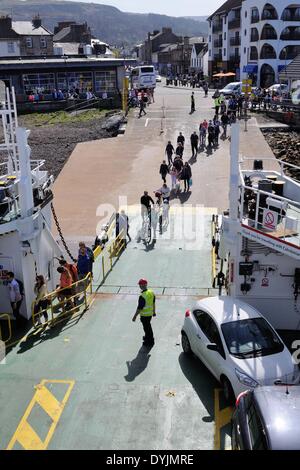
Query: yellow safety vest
[[148, 310]]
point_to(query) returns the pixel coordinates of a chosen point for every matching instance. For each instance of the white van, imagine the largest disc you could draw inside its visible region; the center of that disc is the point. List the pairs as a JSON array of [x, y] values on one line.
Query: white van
[[233, 88]]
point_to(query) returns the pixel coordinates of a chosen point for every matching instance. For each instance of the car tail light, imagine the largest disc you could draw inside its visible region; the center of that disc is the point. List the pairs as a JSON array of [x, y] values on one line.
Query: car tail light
[[240, 396], [187, 313]]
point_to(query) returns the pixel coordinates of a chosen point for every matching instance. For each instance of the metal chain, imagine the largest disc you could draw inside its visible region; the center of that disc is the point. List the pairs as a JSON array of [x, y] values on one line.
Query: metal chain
[[60, 234]]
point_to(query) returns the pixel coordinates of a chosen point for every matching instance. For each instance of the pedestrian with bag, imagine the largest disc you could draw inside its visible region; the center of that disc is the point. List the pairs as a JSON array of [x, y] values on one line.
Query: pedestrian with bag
[[146, 310]]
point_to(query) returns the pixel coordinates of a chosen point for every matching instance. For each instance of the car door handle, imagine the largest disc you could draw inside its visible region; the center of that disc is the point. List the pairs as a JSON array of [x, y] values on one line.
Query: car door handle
[[198, 336]]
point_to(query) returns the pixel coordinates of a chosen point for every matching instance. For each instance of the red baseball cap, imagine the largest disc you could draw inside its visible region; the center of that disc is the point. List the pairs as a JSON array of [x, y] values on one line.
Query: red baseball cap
[[143, 282]]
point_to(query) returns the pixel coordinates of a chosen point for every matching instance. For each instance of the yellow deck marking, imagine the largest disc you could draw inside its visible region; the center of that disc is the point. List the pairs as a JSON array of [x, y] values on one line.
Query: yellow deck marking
[[222, 418], [25, 435]]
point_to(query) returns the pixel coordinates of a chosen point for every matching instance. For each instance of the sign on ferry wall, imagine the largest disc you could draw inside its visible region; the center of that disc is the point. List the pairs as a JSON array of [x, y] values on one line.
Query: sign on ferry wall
[[270, 219], [268, 240]]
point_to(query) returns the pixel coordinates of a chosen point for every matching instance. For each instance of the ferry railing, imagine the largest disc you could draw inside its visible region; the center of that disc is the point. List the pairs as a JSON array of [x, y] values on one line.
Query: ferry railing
[[60, 299], [252, 204], [82, 290], [7, 317]]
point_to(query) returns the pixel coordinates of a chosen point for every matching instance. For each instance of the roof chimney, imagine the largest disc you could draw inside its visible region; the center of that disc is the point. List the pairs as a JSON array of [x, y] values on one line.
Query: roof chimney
[[5, 23], [37, 22]]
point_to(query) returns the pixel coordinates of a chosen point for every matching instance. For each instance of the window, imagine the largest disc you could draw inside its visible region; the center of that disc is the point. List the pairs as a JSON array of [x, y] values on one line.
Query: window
[[246, 14], [225, 36], [256, 430], [43, 43], [209, 53], [29, 43], [106, 81], [39, 82], [209, 38], [11, 47], [210, 329], [71, 81], [245, 32], [224, 51], [251, 338], [253, 53], [245, 50]]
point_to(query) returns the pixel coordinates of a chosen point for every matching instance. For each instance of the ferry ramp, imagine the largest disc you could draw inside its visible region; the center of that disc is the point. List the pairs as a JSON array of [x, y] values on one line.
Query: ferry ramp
[[88, 383]]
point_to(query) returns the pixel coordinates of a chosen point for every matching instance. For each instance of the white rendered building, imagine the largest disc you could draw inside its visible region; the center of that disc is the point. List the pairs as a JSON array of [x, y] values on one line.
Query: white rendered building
[[254, 39]]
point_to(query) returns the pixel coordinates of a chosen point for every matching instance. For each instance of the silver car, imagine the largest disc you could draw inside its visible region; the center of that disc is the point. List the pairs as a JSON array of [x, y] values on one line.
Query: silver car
[[267, 418]]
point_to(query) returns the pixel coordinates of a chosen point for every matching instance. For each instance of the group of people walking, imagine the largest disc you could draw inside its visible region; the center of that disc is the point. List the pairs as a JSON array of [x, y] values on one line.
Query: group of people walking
[[176, 167]]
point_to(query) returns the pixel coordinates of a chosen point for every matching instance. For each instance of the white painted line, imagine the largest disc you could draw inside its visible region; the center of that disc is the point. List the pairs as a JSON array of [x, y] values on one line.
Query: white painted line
[[147, 121]]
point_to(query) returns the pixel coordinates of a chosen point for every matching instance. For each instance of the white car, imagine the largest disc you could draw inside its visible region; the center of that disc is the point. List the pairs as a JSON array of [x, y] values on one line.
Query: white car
[[233, 88], [237, 344], [158, 78], [278, 88]]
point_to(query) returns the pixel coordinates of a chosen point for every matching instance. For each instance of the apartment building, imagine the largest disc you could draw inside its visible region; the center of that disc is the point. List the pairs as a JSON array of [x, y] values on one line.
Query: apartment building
[[254, 39]]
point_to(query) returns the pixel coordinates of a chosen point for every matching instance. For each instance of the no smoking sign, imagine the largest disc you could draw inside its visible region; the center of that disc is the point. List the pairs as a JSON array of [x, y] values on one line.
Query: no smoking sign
[[270, 219]]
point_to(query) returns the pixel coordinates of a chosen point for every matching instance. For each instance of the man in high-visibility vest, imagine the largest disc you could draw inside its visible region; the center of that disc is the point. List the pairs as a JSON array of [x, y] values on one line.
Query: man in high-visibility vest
[[146, 310]]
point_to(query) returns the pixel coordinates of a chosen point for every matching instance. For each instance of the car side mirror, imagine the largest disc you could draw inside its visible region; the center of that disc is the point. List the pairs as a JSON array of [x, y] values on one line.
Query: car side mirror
[[213, 347]]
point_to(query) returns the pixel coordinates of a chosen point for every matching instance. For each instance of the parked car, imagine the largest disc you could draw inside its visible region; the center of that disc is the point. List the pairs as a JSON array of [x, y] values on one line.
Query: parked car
[[237, 344], [158, 78], [267, 418], [233, 88], [278, 88]]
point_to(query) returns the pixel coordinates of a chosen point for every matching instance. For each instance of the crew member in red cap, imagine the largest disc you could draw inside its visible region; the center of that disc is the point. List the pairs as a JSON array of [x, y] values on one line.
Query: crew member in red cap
[[146, 310]]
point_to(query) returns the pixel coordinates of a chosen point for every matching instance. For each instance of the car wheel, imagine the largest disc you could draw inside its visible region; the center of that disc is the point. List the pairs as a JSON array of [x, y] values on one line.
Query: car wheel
[[185, 344], [228, 391]]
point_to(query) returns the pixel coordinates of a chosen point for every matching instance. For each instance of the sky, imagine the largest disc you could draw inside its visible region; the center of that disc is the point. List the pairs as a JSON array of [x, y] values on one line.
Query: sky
[[164, 7]]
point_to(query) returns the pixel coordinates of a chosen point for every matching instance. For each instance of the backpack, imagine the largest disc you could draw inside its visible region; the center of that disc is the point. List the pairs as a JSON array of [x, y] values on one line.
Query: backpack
[[91, 254], [21, 287]]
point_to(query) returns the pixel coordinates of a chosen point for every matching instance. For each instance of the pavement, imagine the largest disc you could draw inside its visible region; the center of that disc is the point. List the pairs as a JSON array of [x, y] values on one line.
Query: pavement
[[87, 383]]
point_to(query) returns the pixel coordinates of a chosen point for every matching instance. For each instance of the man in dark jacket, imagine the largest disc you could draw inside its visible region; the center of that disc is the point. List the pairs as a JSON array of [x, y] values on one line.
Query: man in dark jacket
[[181, 139], [179, 150], [164, 170], [169, 151], [194, 143], [186, 174]]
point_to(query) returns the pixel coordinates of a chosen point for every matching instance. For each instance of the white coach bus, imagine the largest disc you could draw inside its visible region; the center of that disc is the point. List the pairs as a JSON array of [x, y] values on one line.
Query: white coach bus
[[143, 77]]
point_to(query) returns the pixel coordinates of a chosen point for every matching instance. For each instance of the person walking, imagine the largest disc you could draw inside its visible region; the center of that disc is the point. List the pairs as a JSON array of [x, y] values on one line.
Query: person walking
[[179, 150], [41, 303], [85, 261], [186, 175], [224, 122], [194, 144], [174, 176], [211, 134], [142, 107], [217, 132], [205, 88], [16, 295], [193, 109], [164, 170], [178, 163], [217, 105], [169, 151], [181, 139], [202, 132], [146, 310]]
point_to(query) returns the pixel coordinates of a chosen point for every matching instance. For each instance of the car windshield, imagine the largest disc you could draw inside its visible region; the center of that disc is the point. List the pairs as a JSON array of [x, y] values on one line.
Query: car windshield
[[250, 338], [231, 86]]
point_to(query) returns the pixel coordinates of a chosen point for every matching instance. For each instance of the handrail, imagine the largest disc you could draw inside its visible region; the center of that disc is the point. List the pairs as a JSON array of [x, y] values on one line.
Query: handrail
[[69, 300], [5, 315], [82, 105]]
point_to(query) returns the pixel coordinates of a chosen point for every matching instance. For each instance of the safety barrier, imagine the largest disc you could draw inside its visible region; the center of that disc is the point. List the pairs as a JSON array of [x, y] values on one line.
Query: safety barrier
[[214, 226], [3, 317], [64, 302], [111, 251]]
